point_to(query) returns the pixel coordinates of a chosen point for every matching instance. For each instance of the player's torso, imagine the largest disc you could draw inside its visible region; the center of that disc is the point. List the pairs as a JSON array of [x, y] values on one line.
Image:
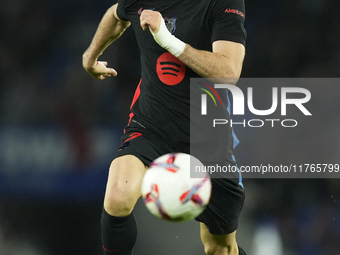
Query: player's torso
[[185, 19], [164, 90]]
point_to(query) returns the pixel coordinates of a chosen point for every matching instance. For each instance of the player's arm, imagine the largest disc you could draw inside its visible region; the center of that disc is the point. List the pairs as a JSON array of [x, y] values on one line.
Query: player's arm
[[224, 62], [110, 28]]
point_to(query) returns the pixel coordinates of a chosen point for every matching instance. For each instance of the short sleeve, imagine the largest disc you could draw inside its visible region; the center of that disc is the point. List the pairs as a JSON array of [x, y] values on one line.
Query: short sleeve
[[121, 10], [228, 21]]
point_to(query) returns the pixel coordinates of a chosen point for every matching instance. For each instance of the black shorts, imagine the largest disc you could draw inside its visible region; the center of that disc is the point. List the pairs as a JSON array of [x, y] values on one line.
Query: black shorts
[[227, 197]]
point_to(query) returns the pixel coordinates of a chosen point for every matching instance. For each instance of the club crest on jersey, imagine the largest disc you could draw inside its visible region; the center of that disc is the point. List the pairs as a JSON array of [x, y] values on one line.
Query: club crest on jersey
[[171, 24]]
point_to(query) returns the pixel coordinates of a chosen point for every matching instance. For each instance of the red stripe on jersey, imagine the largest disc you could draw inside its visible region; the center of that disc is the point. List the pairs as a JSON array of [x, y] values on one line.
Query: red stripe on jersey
[[133, 136], [137, 93], [109, 250], [131, 116], [135, 97]]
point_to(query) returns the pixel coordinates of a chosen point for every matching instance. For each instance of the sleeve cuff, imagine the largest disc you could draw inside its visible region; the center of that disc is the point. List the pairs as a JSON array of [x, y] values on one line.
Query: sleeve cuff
[[228, 37]]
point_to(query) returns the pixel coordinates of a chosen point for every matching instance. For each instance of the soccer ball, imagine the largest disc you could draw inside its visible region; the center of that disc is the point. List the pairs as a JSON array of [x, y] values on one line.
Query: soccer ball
[[168, 191]]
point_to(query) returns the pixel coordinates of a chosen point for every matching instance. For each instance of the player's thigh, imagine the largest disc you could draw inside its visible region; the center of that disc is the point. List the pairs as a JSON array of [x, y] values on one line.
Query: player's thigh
[[218, 244], [124, 182]]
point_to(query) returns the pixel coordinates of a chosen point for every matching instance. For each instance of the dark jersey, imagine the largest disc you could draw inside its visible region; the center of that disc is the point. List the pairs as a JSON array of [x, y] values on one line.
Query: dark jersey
[[161, 101]]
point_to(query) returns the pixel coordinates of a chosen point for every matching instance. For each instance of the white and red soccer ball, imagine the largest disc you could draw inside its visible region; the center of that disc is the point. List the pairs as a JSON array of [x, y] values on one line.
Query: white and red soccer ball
[[168, 191]]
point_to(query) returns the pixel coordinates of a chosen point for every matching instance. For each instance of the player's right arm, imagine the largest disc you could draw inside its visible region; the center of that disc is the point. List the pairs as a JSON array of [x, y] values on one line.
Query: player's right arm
[[110, 29]]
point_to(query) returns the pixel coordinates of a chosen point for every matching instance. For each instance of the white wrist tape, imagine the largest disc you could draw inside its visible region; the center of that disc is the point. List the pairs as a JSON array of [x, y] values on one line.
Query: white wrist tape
[[168, 41]]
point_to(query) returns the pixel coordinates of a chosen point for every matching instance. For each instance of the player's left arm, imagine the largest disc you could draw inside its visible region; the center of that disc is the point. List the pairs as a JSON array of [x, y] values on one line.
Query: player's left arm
[[225, 61]]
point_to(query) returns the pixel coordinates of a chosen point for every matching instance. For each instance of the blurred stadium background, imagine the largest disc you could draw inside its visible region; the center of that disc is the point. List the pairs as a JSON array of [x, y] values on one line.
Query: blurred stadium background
[[59, 128]]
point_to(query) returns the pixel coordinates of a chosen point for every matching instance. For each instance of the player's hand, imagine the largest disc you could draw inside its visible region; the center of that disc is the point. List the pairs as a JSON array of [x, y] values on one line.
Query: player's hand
[[160, 32], [151, 19], [99, 70]]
